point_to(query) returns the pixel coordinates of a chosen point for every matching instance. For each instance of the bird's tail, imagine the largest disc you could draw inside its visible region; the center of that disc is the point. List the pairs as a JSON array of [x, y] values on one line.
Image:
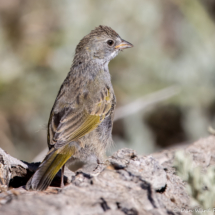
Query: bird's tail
[[50, 166]]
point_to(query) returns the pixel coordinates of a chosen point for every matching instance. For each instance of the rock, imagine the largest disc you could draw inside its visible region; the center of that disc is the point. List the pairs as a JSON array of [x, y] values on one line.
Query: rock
[[145, 167], [126, 184]]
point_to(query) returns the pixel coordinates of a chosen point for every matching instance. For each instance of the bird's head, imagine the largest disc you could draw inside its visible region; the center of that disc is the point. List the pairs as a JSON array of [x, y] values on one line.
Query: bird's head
[[102, 44]]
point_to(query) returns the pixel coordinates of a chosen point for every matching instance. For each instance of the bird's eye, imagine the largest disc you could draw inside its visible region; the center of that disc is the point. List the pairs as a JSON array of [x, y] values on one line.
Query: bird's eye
[[110, 42]]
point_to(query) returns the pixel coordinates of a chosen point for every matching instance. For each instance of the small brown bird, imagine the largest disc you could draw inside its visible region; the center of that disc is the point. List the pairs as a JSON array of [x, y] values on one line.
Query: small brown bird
[[80, 123]]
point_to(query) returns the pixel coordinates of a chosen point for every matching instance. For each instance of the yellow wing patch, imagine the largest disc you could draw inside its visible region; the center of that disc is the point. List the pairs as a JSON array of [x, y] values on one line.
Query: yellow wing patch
[[91, 122], [75, 123]]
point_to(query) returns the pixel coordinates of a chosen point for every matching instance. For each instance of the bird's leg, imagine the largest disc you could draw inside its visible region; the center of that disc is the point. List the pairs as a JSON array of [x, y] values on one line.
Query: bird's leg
[[62, 175]]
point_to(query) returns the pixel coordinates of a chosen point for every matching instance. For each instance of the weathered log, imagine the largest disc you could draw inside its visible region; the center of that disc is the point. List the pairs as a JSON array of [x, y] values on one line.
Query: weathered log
[[126, 184]]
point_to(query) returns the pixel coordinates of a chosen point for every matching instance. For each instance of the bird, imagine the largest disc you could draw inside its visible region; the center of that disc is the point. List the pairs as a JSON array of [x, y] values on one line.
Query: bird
[[81, 119]]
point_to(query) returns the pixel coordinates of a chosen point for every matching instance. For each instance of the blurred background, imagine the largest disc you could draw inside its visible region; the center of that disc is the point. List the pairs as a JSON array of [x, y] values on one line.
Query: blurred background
[[165, 85]]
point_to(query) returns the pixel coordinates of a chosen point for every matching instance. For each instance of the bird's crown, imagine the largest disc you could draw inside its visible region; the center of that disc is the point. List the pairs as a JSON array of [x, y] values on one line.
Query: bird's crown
[[103, 30], [100, 31]]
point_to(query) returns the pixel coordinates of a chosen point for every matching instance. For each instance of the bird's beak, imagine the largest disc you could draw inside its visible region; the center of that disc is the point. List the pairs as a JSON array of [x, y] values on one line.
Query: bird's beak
[[124, 45]]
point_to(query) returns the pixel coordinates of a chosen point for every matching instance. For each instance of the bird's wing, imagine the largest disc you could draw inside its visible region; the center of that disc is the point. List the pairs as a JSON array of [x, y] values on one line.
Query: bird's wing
[[70, 124]]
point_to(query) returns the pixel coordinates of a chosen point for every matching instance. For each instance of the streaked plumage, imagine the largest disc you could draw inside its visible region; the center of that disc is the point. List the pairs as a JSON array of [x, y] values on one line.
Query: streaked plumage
[[81, 119]]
